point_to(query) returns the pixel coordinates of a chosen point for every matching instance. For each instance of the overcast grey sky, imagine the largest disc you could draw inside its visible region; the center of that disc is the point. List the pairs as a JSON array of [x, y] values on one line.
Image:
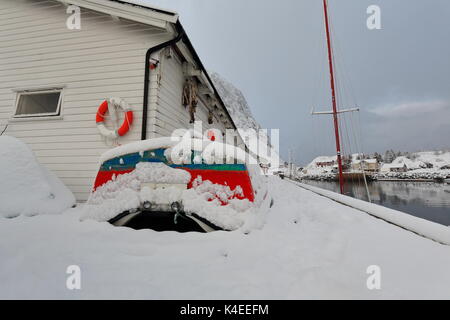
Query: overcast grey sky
[[274, 51]]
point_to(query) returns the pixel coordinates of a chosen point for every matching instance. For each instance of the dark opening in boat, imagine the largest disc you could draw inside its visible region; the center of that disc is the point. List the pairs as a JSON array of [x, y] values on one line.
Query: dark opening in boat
[[163, 221]]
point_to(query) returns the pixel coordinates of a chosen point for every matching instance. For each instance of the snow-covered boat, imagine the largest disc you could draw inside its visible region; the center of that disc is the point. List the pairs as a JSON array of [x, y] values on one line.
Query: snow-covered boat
[[178, 184]]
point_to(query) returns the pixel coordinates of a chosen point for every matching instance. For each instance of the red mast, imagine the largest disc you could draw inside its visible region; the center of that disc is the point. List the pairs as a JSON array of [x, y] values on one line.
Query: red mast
[[333, 96]]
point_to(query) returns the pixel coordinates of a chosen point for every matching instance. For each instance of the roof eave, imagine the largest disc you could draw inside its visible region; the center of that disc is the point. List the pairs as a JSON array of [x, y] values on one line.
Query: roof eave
[[154, 17]]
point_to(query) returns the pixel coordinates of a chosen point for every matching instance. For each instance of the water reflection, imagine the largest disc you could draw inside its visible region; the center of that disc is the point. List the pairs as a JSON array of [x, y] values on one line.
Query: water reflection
[[426, 200]]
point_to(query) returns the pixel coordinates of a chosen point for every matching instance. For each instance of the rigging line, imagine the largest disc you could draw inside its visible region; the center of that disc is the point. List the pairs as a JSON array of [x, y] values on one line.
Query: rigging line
[[344, 94], [317, 83], [353, 139], [351, 129], [338, 97], [350, 148], [343, 97], [342, 118], [355, 132], [318, 72], [313, 130], [348, 130], [6, 127], [318, 51], [345, 75], [321, 84], [360, 131], [364, 176], [357, 152]]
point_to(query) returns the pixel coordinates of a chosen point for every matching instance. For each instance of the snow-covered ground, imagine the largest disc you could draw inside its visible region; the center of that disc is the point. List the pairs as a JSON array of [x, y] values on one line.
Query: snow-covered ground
[[310, 247], [437, 158]]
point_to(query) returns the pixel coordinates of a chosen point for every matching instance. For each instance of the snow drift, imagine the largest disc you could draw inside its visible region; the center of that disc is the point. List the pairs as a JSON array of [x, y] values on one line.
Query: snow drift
[[26, 187]]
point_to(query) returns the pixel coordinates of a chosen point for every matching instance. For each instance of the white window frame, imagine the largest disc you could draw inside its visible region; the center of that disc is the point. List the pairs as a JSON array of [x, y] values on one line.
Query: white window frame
[[57, 113]]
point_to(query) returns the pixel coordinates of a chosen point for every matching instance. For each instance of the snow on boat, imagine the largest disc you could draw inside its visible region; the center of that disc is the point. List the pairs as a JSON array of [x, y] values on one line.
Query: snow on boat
[[179, 184]]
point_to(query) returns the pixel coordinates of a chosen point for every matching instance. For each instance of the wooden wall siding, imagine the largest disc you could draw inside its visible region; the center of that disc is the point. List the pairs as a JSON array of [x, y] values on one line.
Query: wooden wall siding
[[103, 59], [168, 112]]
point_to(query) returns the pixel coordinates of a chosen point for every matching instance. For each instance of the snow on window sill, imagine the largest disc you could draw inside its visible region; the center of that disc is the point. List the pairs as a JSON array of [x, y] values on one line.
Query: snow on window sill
[[31, 118]]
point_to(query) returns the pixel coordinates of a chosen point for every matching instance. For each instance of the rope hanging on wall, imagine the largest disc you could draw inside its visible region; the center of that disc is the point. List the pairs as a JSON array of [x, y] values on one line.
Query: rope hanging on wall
[[210, 117], [190, 97]]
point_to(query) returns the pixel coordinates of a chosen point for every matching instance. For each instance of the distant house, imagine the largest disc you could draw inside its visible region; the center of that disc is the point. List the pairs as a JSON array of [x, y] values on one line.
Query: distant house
[[328, 163], [325, 161], [53, 80], [427, 165], [371, 165], [392, 167], [398, 167], [335, 169]]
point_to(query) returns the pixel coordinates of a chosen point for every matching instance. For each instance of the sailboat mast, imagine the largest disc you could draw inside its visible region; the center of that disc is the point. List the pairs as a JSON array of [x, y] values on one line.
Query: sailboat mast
[[333, 97]]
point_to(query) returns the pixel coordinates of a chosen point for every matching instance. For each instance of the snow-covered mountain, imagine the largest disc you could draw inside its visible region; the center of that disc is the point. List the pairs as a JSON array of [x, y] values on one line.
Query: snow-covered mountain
[[240, 112], [235, 102]]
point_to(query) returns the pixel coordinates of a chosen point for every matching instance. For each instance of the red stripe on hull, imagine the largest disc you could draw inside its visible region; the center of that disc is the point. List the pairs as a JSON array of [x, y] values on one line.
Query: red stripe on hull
[[231, 179], [105, 176]]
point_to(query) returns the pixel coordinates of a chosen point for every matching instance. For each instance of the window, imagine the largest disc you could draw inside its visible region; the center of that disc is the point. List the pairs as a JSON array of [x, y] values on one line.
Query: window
[[42, 103]]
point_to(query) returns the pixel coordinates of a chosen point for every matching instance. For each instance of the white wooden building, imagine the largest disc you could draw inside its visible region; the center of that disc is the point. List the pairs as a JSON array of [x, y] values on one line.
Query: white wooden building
[[53, 78]]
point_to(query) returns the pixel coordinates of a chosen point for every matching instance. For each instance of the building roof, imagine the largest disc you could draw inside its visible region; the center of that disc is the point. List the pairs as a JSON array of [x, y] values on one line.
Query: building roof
[[145, 4], [325, 159], [143, 12], [394, 166], [365, 160]]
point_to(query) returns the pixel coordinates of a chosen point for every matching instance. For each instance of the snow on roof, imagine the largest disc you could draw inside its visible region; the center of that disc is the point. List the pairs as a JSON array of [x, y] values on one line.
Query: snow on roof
[[436, 158], [366, 161], [136, 10], [324, 159], [417, 160], [410, 164], [146, 5], [207, 148], [393, 165]]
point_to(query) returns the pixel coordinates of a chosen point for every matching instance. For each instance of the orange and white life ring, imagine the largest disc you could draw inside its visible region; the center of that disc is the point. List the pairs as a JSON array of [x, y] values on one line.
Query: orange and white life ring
[[100, 118]]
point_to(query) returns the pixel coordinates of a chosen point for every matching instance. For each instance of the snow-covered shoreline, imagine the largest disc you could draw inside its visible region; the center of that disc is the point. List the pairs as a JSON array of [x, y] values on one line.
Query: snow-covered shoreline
[[310, 247], [419, 166], [418, 174]]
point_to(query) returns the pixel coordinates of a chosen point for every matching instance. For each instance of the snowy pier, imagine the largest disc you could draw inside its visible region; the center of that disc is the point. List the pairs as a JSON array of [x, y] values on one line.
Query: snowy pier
[[422, 227]]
